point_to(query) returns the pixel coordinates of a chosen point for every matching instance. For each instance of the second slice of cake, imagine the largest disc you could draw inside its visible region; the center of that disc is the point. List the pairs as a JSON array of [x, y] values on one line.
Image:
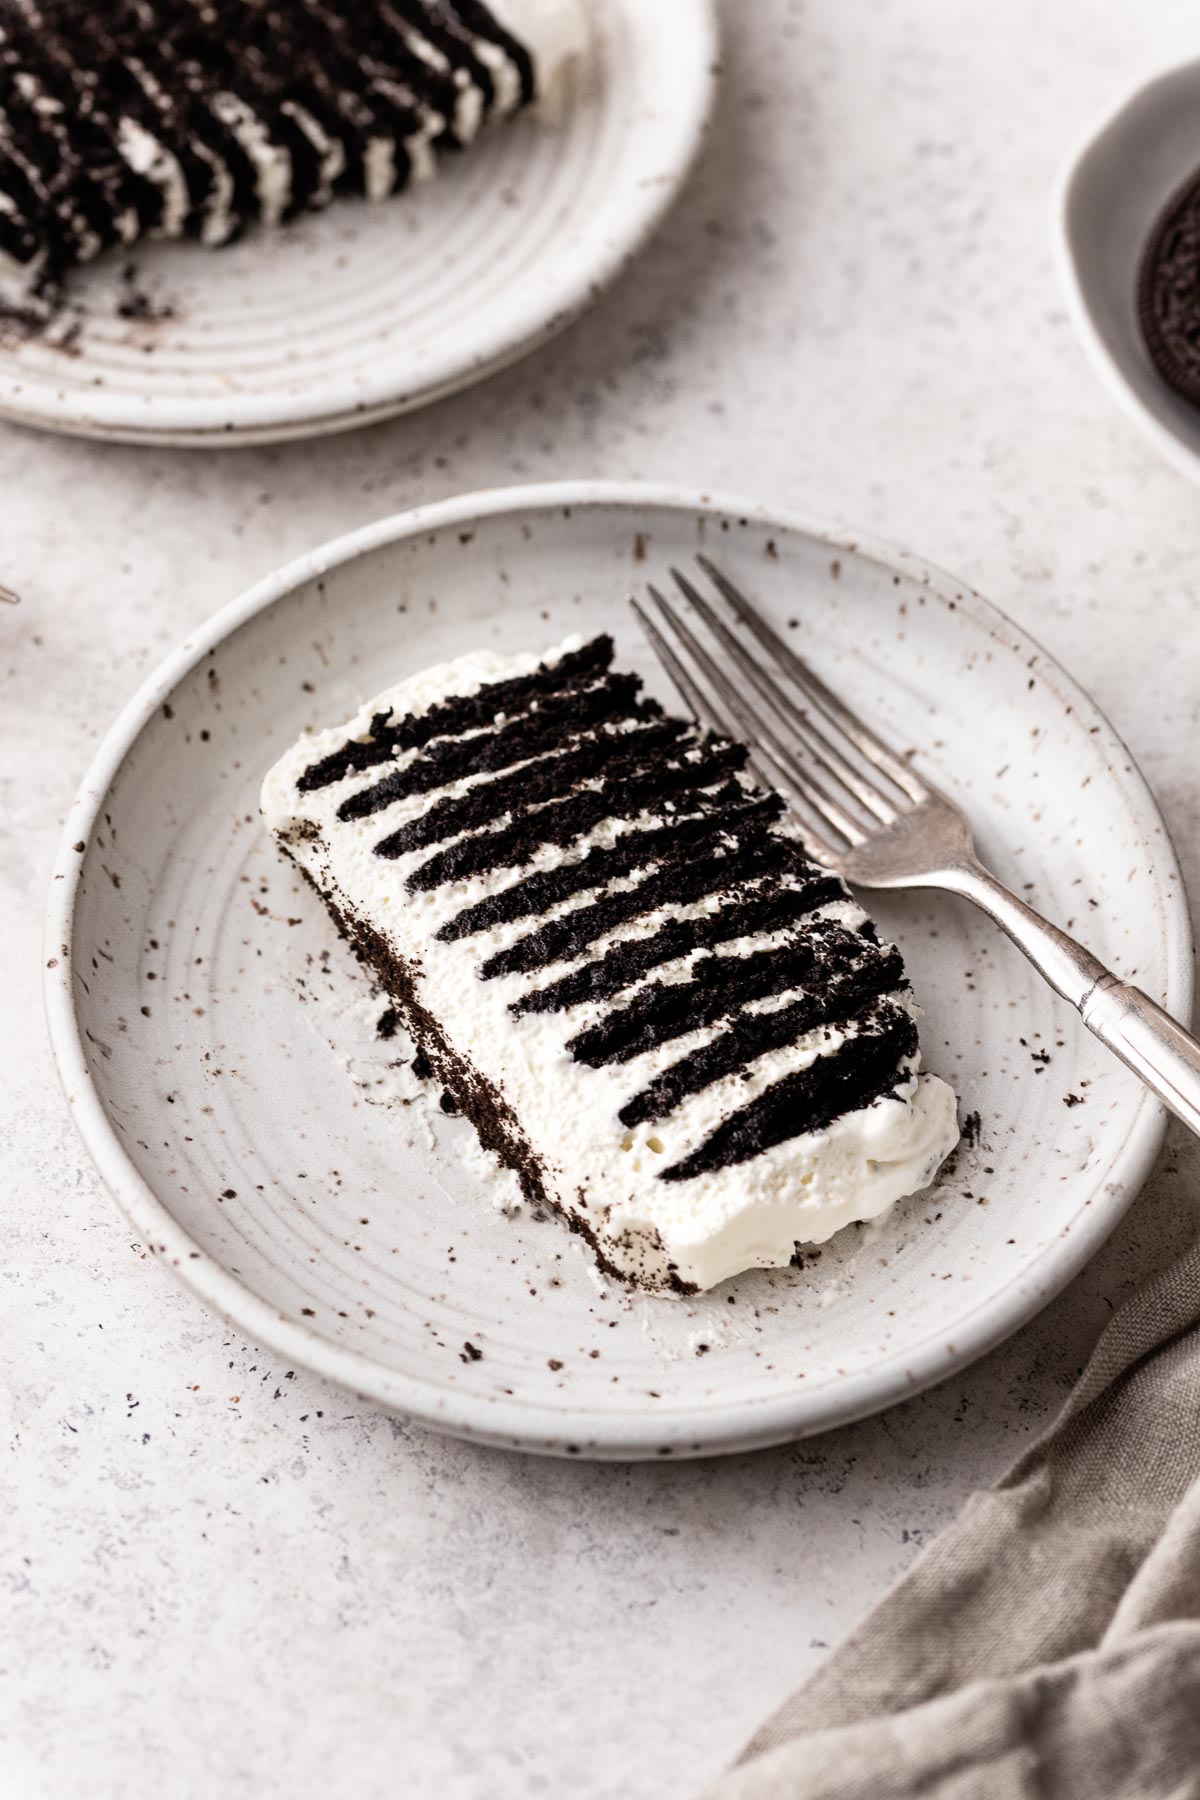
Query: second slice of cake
[[619, 960], [173, 119]]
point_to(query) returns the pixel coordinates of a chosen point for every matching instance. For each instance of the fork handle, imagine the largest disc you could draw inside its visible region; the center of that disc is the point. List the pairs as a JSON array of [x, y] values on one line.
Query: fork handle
[[1147, 1039]]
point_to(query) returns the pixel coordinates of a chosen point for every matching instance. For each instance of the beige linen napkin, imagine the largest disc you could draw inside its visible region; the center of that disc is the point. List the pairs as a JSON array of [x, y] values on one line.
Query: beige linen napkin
[[1048, 1644]]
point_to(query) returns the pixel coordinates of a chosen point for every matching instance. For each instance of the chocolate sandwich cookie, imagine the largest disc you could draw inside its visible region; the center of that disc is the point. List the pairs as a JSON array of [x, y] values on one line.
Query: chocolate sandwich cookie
[[1169, 291]]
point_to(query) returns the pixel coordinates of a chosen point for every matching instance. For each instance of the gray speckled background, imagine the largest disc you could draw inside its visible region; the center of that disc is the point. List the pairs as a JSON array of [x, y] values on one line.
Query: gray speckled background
[[222, 1578]]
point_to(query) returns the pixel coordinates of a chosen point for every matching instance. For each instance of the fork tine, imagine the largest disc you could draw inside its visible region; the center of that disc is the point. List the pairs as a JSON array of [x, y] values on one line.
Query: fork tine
[[709, 713], [754, 729], [703, 708], [827, 702], [826, 754]]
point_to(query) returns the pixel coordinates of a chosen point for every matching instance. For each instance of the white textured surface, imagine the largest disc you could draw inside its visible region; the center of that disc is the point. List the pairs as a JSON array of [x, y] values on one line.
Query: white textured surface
[[294, 1595]]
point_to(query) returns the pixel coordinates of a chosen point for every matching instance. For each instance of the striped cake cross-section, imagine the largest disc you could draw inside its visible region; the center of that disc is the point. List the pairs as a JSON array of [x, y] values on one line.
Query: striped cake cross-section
[[617, 957]]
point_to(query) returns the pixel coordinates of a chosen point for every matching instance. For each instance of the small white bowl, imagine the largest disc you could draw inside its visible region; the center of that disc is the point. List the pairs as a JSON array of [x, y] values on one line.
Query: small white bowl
[[1107, 200]]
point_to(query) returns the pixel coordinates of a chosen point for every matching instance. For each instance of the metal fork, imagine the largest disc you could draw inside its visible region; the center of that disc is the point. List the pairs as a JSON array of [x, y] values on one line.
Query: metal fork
[[866, 813]]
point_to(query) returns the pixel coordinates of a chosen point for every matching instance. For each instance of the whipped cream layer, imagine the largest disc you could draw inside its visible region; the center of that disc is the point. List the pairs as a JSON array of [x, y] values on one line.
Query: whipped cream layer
[[177, 119], [614, 950]]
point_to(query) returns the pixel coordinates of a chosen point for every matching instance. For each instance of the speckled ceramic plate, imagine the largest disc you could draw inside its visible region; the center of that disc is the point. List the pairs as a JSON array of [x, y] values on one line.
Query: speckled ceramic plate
[[365, 311], [217, 1047], [1109, 196]]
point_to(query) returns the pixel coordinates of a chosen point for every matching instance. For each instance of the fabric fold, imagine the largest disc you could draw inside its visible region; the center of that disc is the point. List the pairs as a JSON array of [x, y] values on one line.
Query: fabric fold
[[1049, 1641]]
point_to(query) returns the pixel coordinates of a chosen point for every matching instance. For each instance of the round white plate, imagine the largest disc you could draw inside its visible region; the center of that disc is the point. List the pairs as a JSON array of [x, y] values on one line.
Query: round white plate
[[351, 315], [1109, 196], [216, 1038]]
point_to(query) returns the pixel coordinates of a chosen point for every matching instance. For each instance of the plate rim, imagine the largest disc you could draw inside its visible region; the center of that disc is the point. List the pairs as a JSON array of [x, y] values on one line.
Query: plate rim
[[569, 1430], [648, 205], [1169, 445]]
